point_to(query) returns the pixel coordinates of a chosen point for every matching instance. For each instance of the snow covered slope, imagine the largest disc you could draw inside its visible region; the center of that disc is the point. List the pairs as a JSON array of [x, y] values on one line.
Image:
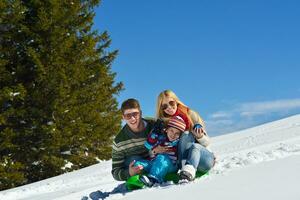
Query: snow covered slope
[[258, 163]]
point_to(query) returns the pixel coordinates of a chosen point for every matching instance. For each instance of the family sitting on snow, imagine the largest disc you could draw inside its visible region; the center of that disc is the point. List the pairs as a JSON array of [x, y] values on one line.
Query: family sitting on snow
[[176, 141]]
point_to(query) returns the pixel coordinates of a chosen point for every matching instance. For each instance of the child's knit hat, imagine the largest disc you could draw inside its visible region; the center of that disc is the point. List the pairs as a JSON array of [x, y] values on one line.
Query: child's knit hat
[[177, 122]]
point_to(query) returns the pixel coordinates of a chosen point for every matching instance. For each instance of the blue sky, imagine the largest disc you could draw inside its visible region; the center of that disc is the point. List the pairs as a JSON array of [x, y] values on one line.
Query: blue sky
[[235, 62]]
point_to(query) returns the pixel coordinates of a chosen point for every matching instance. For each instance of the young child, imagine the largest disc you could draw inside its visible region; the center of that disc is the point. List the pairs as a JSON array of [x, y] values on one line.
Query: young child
[[162, 163]]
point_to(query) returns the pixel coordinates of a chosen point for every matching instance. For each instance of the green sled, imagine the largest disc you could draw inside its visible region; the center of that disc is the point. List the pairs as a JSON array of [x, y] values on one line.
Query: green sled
[[134, 183]]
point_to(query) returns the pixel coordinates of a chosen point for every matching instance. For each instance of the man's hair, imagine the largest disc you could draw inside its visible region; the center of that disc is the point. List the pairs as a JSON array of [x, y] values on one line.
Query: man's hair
[[129, 104]]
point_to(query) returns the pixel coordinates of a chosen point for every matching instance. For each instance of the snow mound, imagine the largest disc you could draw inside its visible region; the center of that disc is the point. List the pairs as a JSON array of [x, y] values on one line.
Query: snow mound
[[259, 162]]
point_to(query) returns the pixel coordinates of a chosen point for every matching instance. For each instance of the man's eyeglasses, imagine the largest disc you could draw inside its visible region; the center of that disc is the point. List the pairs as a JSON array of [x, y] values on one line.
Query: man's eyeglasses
[[128, 116], [166, 105]]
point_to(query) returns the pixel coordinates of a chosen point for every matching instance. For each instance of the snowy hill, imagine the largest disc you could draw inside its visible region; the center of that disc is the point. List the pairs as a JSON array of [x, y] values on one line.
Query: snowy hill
[[258, 163]]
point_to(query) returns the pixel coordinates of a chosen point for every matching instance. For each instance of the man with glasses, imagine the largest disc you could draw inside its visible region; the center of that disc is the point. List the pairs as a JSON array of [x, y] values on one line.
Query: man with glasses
[[128, 145]]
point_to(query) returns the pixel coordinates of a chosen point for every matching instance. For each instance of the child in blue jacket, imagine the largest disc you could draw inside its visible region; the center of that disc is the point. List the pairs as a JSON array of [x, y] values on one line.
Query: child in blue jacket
[[163, 151]]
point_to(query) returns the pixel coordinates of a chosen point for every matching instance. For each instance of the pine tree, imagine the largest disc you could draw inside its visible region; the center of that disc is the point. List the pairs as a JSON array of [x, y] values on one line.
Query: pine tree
[[57, 91]]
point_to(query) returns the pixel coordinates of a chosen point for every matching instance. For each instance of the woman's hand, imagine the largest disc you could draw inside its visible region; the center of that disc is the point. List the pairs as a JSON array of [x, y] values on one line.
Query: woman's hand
[[160, 149], [198, 131]]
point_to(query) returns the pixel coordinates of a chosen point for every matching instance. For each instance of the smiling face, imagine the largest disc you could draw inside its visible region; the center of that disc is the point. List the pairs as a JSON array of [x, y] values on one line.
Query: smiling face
[[133, 118], [169, 105], [173, 133]]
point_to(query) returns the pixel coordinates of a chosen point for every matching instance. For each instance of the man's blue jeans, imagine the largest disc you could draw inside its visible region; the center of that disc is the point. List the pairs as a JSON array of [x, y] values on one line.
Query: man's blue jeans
[[190, 152]]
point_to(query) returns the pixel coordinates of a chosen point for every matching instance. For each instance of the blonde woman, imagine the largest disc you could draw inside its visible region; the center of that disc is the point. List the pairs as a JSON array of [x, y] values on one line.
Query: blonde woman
[[192, 152]]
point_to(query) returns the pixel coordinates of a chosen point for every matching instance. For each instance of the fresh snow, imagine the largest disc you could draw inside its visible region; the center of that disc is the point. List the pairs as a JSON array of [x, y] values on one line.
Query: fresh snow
[[258, 163]]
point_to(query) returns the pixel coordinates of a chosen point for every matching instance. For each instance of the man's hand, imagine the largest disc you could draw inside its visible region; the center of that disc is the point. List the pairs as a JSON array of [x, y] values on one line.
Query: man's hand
[[133, 170], [160, 149]]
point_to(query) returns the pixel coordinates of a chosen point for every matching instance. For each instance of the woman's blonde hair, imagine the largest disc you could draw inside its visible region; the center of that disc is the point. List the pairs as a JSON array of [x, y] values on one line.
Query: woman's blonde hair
[[180, 106]]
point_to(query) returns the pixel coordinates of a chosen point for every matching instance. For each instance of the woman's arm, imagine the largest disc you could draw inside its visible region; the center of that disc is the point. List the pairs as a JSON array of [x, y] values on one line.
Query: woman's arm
[[195, 117], [199, 132]]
